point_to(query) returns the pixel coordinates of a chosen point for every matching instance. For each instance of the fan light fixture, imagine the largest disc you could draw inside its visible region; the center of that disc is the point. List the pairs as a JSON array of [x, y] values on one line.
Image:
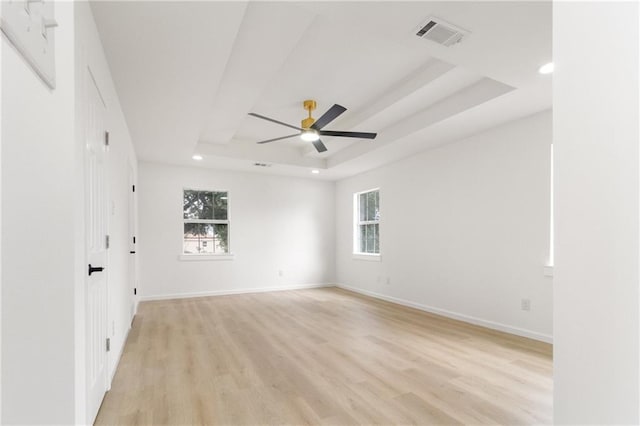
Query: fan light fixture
[[309, 136], [197, 157]]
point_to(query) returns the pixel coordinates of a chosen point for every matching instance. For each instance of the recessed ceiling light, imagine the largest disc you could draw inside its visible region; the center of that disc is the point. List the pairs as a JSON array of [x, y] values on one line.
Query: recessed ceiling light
[[546, 68], [197, 157], [309, 136], [315, 172]]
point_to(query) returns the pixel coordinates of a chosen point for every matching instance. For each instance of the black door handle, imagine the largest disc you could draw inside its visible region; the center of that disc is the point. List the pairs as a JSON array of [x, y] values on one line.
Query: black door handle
[[93, 269], [132, 252]]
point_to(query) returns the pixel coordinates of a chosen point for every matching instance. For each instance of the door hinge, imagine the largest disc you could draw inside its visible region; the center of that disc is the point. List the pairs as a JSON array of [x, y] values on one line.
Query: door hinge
[[135, 291], [106, 138], [134, 240], [108, 344], [106, 241]]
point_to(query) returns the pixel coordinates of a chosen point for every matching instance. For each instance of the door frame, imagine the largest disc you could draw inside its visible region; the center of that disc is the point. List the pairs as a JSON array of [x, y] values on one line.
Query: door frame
[[133, 241], [89, 79]]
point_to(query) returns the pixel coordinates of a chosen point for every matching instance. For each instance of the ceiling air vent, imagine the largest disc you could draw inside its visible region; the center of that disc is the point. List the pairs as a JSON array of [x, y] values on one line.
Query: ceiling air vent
[[441, 32]]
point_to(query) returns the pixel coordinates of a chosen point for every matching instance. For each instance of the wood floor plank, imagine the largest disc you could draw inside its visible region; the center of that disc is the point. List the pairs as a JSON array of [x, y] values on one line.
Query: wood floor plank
[[321, 356]]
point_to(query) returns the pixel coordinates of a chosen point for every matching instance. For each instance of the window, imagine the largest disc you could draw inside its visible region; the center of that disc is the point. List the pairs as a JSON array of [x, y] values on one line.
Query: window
[[206, 222], [367, 218]]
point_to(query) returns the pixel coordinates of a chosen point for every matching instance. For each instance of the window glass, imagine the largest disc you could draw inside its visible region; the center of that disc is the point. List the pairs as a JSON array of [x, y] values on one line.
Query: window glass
[[367, 222], [206, 222]]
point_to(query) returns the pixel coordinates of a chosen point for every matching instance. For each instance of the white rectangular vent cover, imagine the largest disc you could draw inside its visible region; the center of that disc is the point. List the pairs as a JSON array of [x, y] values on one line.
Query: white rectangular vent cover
[[441, 32]]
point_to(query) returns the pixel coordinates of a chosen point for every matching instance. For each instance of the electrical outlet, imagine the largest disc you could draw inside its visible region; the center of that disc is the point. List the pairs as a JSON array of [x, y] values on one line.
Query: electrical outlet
[[281, 273], [388, 281], [525, 304]]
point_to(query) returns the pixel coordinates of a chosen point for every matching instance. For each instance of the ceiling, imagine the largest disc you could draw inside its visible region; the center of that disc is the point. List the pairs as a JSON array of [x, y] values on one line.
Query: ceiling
[[188, 74]]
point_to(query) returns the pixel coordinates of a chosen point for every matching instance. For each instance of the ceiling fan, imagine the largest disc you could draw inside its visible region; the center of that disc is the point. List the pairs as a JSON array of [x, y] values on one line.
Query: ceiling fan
[[311, 129]]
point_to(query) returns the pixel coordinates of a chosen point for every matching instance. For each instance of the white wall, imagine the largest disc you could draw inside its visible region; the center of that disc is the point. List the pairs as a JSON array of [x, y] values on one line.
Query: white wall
[[2, 48], [121, 159], [596, 166], [277, 223], [38, 211], [464, 229], [43, 276]]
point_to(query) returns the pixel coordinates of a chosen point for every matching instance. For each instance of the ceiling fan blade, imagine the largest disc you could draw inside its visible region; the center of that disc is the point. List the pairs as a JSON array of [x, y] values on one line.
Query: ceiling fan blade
[[319, 146], [274, 121], [328, 116], [277, 139], [361, 135]]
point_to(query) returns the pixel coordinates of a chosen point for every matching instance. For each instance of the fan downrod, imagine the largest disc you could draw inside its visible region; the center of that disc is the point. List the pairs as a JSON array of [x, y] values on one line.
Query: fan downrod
[[309, 105]]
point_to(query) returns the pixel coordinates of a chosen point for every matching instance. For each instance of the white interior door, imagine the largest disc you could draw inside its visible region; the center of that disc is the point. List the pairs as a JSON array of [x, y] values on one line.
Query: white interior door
[[96, 247]]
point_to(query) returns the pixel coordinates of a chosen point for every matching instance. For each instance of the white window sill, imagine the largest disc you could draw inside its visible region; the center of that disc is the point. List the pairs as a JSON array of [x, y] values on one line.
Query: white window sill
[[367, 256], [196, 257]]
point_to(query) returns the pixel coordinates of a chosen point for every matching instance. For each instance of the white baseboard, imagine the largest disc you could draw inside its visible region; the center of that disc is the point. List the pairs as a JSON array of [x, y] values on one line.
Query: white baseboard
[[231, 291], [455, 315]]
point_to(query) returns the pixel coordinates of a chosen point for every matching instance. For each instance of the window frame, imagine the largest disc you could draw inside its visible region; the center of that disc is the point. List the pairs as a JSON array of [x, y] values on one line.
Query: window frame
[[357, 223], [205, 256]]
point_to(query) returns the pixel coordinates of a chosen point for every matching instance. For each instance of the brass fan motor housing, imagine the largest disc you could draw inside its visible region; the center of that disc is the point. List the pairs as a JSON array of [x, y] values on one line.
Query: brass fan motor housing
[[307, 123], [309, 105]]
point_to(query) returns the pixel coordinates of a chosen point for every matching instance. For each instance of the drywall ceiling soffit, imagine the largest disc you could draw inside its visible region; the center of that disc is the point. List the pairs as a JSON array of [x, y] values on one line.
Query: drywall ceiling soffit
[[190, 86], [457, 127], [167, 60], [258, 56]]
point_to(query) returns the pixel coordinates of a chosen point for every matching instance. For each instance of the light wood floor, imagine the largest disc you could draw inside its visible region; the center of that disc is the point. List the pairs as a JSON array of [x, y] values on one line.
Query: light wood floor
[[322, 356]]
